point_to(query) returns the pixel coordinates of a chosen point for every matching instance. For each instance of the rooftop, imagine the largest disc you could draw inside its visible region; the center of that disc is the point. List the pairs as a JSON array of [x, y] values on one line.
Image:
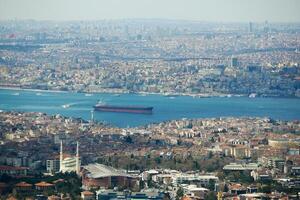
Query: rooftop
[[23, 184], [99, 171], [6, 167], [87, 193], [43, 184]]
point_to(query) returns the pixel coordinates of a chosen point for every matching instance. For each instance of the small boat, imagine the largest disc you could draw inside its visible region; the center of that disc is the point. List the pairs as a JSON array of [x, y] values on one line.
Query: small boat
[[252, 95], [88, 95], [38, 94], [172, 95], [66, 105], [16, 94]]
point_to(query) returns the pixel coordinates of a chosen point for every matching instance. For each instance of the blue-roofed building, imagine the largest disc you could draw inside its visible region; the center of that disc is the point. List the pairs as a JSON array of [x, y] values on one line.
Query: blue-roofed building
[[127, 195]]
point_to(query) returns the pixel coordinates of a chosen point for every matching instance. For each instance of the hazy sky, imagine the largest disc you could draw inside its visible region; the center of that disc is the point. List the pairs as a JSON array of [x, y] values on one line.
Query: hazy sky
[[204, 10]]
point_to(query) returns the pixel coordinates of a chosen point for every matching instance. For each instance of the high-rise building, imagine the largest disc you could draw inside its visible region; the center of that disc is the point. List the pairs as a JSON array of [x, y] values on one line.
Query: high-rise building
[[97, 60], [250, 27], [234, 62], [53, 166], [266, 26]]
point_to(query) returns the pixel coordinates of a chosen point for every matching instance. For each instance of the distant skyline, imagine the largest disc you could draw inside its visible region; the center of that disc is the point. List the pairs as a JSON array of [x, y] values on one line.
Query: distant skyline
[[200, 10]]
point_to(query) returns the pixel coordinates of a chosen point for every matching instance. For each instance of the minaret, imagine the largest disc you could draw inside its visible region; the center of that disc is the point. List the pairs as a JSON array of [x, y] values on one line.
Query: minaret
[[61, 156], [92, 116], [77, 159]]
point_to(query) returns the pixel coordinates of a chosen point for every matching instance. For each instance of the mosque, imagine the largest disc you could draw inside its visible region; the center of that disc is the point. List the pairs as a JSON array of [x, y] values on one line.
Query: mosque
[[69, 163]]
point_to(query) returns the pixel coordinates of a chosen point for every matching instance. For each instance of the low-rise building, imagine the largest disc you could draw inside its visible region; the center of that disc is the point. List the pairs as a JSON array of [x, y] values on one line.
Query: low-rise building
[[87, 195], [127, 195], [98, 175], [241, 167], [13, 171], [23, 187], [197, 179], [44, 186]]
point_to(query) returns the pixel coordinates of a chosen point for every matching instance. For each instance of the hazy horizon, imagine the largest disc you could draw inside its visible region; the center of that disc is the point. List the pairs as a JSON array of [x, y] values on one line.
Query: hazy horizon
[[192, 10]]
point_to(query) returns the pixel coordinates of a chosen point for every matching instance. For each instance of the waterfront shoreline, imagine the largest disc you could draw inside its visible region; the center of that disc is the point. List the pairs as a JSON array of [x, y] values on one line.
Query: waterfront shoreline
[[124, 92], [31, 89], [139, 93]]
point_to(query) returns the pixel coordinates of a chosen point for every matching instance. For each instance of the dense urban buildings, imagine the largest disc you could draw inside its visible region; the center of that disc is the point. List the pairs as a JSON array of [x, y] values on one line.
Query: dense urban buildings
[[48, 154], [151, 56], [232, 156]]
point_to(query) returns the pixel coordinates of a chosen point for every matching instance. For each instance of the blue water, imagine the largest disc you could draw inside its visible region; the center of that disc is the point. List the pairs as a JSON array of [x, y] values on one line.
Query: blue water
[[165, 108]]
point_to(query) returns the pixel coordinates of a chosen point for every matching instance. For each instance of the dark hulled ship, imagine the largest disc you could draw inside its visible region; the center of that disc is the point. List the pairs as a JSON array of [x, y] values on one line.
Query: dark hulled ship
[[126, 109]]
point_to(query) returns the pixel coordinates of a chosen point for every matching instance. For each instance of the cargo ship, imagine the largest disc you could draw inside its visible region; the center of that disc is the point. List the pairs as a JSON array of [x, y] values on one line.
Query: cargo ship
[[126, 109]]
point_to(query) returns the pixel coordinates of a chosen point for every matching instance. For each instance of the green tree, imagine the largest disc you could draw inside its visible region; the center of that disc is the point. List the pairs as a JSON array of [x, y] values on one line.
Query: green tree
[[210, 155], [211, 196], [179, 193], [142, 184], [226, 189], [158, 160], [211, 185], [128, 139], [196, 165]]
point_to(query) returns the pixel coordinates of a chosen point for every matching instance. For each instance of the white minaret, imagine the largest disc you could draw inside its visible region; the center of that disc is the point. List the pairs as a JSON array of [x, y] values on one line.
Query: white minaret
[[77, 159], [61, 156], [92, 116]]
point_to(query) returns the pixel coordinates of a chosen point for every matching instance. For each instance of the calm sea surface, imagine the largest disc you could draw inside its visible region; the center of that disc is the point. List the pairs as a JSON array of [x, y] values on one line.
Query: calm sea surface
[[165, 108]]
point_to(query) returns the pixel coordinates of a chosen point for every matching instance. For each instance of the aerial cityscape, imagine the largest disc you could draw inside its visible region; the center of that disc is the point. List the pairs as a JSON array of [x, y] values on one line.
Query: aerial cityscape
[[149, 100]]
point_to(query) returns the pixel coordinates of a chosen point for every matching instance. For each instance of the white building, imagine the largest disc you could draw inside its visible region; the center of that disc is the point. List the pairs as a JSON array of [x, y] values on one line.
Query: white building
[[241, 167], [53, 166], [69, 163], [197, 179]]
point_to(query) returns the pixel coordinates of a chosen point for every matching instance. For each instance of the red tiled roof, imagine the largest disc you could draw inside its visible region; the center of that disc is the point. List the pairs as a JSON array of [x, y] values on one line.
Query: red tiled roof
[[6, 167], [23, 184], [185, 198], [87, 193], [11, 198], [236, 187], [3, 184], [53, 197], [43, 184]]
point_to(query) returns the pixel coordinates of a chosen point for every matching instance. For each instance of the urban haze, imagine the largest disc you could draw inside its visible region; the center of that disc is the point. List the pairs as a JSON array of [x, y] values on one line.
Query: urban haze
[[149, 99]]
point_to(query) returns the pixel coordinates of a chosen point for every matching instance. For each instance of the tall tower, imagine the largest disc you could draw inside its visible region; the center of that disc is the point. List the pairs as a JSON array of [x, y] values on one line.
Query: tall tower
[[234, 62], [266, 26], [92, 116], [77, 159], [250, 27], [61, 156]]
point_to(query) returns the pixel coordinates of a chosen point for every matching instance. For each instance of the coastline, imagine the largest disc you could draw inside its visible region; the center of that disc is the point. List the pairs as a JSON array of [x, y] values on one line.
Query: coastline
[[167, 94], [124, 92], [31, 89]]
